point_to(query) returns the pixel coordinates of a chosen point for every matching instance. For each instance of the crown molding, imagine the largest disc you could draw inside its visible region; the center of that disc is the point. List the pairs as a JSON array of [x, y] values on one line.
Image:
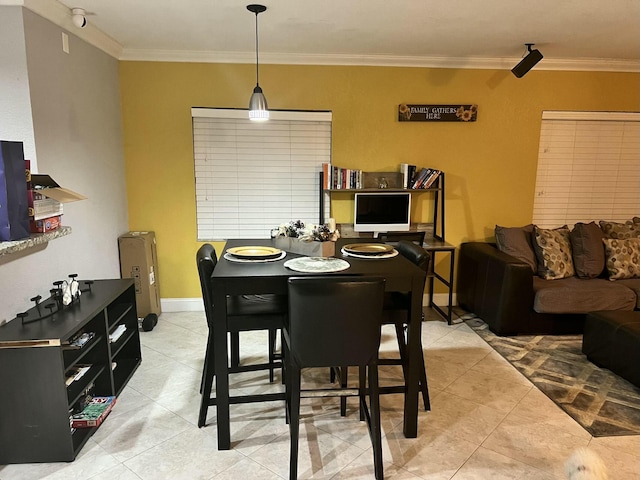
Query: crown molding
[[59, 14], [593, 116], [604, 65]]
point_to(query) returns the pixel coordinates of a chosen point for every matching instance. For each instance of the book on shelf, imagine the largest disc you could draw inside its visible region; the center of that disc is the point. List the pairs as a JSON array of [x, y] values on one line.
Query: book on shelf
[[117, 333], [81, 340], [337, 178], [93, 413], [421, 176], [431, 179], [411, 175], [76, 372]]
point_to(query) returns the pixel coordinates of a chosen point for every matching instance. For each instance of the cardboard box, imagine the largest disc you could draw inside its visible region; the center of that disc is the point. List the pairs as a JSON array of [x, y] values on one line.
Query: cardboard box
[[46, 224], [139, 260]]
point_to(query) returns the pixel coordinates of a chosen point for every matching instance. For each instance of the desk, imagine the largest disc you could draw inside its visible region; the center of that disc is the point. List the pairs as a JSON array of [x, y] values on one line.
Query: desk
[[231, 278]]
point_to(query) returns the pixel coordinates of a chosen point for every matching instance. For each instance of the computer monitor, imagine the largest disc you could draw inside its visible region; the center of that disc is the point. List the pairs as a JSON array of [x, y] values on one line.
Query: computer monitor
[[382, 212]]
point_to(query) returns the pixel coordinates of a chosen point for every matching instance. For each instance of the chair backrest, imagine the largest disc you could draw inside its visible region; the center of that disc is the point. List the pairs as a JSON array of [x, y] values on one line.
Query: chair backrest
[[416, 237], [206, 259], [335, 320], [414, 253]]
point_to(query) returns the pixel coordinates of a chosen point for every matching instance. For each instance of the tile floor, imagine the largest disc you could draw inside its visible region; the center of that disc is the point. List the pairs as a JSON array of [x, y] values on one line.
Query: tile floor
[[487, 422]]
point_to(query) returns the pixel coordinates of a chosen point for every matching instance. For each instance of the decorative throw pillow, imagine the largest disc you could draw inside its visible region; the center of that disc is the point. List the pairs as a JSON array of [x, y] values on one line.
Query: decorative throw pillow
[[517, 242], [588, 250], [553, 251], [623, 257], [628, 229]]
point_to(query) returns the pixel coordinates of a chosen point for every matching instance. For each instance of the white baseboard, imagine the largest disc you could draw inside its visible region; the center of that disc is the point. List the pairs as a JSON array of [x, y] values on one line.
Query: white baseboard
[[195, 304]]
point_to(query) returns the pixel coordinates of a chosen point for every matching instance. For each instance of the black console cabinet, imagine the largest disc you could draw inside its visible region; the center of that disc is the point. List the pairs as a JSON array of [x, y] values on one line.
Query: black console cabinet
[[35, 403]]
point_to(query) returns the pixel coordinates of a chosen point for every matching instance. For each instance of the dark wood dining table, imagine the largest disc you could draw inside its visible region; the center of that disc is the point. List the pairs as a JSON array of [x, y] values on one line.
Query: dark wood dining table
[[233, 278]]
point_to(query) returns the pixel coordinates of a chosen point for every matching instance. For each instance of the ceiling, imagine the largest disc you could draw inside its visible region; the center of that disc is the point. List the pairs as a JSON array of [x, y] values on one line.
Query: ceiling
[[571, 34]]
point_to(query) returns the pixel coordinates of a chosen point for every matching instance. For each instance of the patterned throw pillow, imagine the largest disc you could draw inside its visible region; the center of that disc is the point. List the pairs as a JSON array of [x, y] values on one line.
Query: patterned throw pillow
[[628, 229], [553, 251], [623, 257]]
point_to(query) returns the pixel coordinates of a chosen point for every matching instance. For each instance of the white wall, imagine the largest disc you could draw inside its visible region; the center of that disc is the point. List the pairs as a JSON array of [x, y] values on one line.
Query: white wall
[[76, 118]]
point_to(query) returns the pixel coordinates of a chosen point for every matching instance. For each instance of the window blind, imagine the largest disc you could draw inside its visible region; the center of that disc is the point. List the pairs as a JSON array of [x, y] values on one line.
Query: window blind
[[251, 177], [588, 168]]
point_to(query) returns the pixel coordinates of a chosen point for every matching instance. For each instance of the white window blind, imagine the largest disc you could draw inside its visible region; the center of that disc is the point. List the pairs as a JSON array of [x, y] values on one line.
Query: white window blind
[[588, 168], [251, 177]]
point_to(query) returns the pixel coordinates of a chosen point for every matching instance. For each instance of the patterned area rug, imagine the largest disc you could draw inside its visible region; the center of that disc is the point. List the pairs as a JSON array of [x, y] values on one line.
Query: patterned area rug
[[602, 402]]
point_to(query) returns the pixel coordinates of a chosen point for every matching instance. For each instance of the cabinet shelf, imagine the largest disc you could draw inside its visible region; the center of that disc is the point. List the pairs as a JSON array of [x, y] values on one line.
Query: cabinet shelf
[[35, 358]]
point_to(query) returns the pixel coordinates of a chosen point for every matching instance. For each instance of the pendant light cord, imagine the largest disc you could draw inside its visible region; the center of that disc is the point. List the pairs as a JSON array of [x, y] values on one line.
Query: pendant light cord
[[257, 62]]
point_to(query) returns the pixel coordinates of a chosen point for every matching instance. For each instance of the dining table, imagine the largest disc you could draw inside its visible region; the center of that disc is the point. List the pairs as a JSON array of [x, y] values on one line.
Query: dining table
[[271, 277]]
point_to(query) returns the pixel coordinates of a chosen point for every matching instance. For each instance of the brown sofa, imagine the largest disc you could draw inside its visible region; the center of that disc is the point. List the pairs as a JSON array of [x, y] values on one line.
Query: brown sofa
[[531, 290]]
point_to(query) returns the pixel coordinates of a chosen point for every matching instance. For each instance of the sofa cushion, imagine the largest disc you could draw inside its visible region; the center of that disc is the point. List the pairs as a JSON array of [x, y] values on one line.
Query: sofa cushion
[[579, 295], [553, 252], [517, 242], [623, 257], [588, 250], [628, 229], [633, 284]]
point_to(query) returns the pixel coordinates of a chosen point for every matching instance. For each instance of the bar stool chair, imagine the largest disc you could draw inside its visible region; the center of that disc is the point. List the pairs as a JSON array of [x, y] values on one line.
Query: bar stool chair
[[244, 313], [334, 320], [397, 306]]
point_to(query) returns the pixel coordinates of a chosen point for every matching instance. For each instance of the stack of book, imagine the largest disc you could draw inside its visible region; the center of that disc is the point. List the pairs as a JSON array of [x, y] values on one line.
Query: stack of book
[[419, 179], [336, 178]]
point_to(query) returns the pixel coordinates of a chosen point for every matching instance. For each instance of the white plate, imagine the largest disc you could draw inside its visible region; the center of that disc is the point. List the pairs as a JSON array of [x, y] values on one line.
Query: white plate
[[233, 258], [371, 257], [317, 264]]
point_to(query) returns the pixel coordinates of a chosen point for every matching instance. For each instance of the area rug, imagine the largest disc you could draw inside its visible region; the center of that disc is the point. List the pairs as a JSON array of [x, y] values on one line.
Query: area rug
[[599, 400]]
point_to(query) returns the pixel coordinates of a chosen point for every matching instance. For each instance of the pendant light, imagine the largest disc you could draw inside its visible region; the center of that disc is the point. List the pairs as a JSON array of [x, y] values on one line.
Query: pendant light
[[258, 110]]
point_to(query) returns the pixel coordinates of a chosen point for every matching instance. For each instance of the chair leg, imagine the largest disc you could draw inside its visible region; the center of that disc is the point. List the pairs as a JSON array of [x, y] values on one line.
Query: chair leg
[[344, 380], [272, 352], [362, 385], [293, 382], [424, 386], [402, 346], [375, 427], [207, 383], [235, 349]]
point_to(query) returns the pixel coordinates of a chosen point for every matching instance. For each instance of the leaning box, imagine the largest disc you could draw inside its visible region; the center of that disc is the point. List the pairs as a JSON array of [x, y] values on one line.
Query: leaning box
[[139, 260]]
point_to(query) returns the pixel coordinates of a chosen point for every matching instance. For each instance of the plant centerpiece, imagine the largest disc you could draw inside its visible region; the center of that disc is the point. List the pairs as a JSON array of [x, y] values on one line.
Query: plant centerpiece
[[309, 239]]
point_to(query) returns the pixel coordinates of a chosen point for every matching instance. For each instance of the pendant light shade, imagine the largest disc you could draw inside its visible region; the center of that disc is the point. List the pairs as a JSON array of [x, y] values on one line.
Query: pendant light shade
[[258, 110]]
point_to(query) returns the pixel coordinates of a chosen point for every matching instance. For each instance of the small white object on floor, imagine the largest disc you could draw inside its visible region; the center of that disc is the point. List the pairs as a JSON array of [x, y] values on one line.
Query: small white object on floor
[[585, 464]]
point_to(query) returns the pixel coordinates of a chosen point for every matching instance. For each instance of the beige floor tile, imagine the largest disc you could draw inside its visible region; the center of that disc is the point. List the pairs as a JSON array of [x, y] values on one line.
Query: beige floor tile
[[621, 464], [462, 418], [488, 390], [485, 464], [495, 365], [628, 443], [433, 455], [536, 407], [119, 472], [247, 469], [186, 456], [535, 443]]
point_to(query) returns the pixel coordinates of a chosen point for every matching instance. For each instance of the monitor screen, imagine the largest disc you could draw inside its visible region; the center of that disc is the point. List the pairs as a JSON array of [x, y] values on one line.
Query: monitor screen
[[382, 212]]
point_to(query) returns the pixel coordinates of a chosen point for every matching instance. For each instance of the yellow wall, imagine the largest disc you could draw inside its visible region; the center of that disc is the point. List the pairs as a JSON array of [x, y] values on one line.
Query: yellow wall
[[490, 165]]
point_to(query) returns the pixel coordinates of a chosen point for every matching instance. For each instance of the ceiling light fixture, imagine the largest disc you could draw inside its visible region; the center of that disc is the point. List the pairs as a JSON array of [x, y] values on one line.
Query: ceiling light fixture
[[528, 62], [78, 16], [258, 110]]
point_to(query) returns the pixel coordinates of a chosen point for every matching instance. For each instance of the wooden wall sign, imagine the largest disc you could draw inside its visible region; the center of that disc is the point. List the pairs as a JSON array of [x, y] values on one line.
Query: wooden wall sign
[[437, 113]]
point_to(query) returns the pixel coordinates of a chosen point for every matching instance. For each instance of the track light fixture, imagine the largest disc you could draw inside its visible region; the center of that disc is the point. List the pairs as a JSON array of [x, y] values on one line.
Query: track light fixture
[[79, 18], [258, 110], [528, 62]]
